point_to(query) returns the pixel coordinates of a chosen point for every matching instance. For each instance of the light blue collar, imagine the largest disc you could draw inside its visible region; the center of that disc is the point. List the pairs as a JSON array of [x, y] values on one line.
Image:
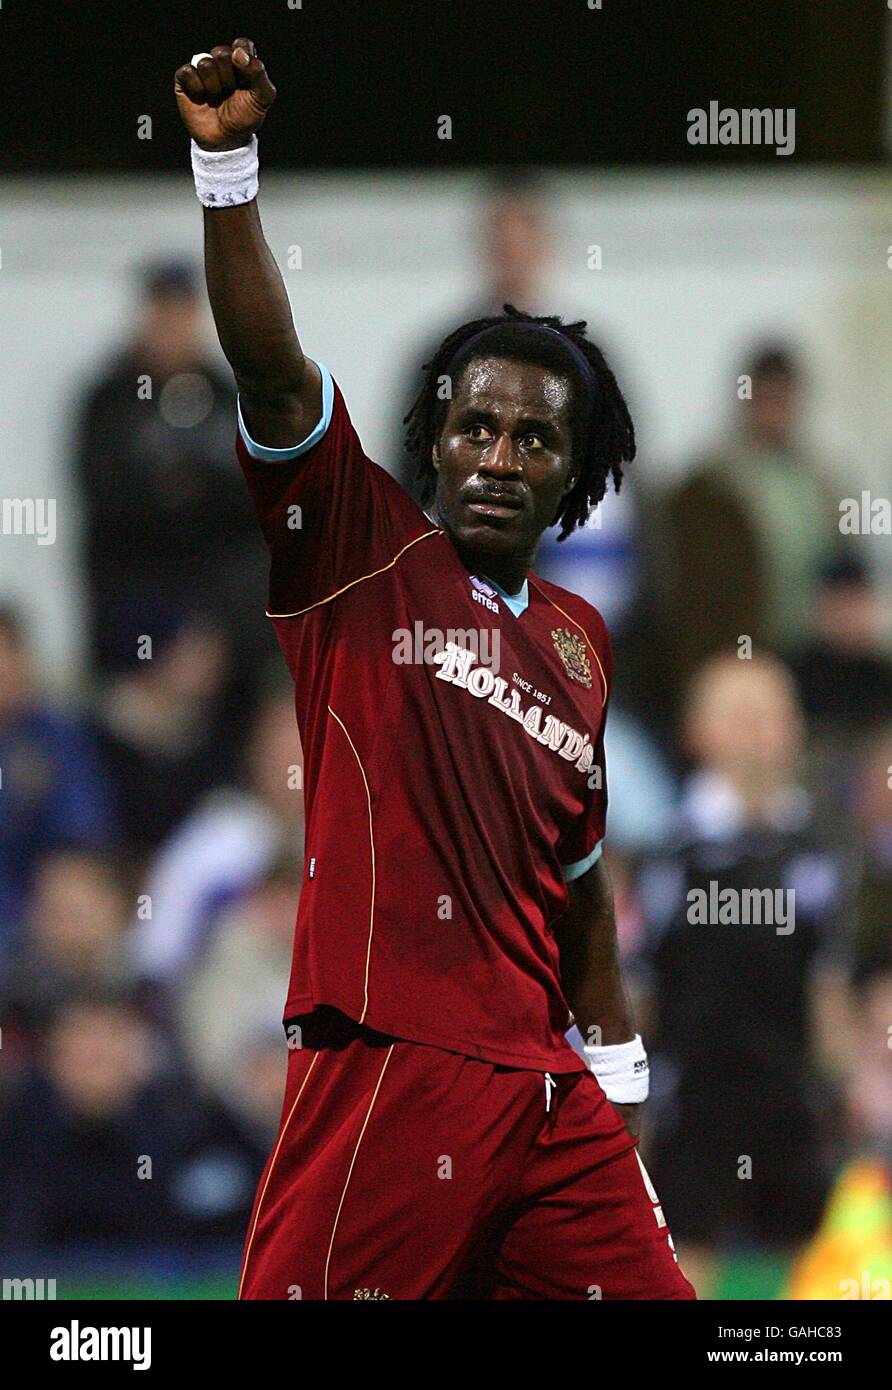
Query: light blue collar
[[519, 602]]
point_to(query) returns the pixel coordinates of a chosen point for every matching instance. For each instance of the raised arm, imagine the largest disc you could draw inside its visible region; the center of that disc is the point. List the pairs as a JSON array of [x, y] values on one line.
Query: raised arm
[[223, 100]]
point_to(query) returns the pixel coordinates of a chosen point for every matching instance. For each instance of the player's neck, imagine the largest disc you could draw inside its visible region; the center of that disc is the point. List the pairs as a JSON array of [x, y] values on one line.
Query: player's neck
[[508, 571], [510, 579]]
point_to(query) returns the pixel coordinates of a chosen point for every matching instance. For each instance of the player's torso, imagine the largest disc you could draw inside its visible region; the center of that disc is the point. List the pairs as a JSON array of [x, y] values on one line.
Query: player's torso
[[469, 719]]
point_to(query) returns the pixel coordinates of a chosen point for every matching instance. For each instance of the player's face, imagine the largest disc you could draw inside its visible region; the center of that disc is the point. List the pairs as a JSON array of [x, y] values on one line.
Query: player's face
[[504, 459]]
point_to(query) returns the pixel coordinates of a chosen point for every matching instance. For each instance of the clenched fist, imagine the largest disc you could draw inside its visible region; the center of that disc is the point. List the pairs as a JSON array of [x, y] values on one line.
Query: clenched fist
[[224, 97]]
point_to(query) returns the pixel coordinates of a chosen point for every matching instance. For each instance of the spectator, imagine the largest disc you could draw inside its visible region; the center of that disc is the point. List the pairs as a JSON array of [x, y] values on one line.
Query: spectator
[[745, 1011], [869, 1100], [167, 518], [225, 848], [52, 783], [75, 936], [237, 986], [870, 808], [253, 1098], [844, 676], [108, 1147], [749, 528], [159, 723], [77, 1130], [845, 683]]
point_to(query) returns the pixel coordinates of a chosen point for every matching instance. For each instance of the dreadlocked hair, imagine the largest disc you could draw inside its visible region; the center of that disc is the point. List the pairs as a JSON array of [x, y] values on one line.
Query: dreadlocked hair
[[601, 446]]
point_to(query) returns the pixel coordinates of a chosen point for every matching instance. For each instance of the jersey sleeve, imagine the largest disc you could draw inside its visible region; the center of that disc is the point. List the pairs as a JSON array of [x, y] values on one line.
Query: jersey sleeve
[[329, 515], [583, 844], [582, 847]]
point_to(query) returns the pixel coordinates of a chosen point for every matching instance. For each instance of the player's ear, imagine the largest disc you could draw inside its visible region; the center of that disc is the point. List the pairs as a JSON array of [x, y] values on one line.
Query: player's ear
[[435, 455], [571, 483]]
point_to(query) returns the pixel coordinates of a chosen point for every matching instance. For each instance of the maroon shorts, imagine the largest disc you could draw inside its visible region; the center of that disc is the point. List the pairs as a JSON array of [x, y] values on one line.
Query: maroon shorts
[[403, 1171]]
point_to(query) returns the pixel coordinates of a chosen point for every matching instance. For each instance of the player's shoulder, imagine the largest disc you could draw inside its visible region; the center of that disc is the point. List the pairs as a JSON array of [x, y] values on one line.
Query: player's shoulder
[[578, 609], [333, 448]]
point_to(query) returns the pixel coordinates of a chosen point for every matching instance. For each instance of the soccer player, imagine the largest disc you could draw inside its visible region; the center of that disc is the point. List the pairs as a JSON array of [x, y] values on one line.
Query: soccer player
[[440, 1137]]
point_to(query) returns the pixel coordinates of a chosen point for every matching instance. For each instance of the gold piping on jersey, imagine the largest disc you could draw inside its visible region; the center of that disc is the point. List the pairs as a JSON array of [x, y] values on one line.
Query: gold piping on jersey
[[368, 954], [272, 1164], [352, 1162], [390, 564], [588, 640]]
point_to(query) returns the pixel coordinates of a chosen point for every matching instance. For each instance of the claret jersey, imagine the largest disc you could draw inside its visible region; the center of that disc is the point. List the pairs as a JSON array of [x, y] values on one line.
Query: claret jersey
[[453, 759]]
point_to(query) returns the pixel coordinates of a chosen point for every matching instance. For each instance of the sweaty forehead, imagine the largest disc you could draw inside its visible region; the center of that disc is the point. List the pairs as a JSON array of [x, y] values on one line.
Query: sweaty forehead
[[502, 384]]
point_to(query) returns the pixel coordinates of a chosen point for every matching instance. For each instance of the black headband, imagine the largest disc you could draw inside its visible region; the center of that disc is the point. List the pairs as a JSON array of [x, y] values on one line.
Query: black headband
[[575, 351]]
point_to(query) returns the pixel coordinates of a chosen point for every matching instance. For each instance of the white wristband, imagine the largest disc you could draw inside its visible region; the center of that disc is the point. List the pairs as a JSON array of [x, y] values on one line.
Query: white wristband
[[225, 178], [622, 1070]]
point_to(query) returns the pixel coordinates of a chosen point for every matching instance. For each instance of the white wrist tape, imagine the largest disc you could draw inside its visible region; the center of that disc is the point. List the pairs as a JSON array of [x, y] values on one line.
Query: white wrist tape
[[621, 1069], [225, 178]]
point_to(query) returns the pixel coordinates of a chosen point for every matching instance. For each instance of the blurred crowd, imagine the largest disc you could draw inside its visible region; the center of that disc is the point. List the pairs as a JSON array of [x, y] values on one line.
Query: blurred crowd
[[151, 836]]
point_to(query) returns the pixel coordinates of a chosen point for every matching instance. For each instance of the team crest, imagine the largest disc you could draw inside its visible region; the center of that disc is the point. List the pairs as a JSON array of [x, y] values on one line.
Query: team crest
[[370, 1293], [574, 654]]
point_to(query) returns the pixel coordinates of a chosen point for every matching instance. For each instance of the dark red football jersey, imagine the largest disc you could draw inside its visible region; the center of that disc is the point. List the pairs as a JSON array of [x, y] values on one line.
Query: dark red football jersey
[[453, 759]]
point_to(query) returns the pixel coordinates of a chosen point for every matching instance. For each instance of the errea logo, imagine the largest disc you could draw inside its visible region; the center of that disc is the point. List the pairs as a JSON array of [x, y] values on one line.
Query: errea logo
[[484, 593]]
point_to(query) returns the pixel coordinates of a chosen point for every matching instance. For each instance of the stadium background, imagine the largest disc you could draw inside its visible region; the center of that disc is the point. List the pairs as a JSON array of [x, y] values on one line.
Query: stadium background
[[379, 226]]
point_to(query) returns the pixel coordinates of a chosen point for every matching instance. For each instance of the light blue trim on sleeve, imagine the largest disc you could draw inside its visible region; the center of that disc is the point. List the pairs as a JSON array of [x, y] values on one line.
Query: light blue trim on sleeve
[[267, 455], [582, 866]]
